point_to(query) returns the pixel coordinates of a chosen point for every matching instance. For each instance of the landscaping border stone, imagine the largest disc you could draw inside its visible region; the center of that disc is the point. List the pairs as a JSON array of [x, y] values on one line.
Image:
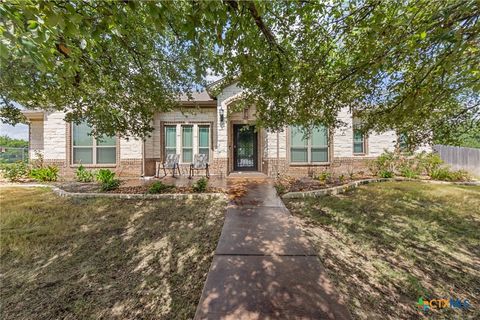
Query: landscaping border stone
[[352, 185], [63, 193]]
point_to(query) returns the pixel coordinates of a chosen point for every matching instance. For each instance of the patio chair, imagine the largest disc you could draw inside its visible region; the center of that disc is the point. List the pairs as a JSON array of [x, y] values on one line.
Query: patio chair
[[170, 163], [199, 163]]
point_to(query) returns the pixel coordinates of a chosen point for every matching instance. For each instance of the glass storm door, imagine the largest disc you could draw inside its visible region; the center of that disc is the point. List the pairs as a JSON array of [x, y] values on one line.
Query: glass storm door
[[244, 148]]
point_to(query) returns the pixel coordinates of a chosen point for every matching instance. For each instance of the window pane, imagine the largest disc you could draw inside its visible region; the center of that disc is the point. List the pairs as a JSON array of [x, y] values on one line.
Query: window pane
[[187, 155], [83, 155], [106, 155], [81, 135], [203, 136], [204, 151], [319, 136], [319, 154], [187, 136], [170, 137], [358, 142], [170, 151], [298, 154], [403, 142], [296, 137], [106, 141], [358, 147]]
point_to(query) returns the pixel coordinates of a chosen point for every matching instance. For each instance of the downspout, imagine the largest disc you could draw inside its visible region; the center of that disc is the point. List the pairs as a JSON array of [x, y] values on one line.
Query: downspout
[[278, 153], [143, 158]]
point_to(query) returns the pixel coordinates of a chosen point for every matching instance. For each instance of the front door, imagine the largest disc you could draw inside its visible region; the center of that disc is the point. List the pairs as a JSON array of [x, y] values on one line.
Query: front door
[[244, 148]]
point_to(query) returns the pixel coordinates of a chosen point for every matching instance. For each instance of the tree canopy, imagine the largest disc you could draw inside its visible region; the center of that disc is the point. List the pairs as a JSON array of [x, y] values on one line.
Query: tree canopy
[[409, 65]]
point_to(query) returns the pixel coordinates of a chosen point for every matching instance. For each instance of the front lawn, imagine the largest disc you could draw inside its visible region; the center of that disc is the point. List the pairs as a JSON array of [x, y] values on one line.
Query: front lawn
[[385, 245], [104, 258]]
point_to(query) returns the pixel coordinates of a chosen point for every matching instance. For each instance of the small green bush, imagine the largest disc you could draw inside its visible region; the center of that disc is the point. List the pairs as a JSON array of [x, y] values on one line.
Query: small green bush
[[385, 174], [408, 172], [460, 175], [385, 165], [107, 180], [83, 175], [159, 187], [429, 162], [110, 185], [281, 189], [105, 175], [49, 173], [14, 171], [201, 185], [445, 174], [441, 174], [324, 176]]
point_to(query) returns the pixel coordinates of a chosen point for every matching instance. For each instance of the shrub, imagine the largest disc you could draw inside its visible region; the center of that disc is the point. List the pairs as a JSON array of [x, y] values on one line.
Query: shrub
[[49, 173], [445, 174], [83, 175], [324, 176], [14, 171], [110, 185], [200, 185], [159, 187], [107, 180], [384, 166], [385, 174], [460, 175], [428, 162], [281, 189], [408, 172], [441, 174]]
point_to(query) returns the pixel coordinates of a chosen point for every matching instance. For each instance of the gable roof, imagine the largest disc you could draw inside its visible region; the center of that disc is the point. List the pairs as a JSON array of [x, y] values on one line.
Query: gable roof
[[202, 98]]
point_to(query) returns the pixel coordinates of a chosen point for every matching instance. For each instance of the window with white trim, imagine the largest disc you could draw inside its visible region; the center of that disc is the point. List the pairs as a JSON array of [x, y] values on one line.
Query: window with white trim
[[204, 140], [170, 140], [358, 142], [187, 143], [193, 139], [310, 148], [359, 138], [88, 150]]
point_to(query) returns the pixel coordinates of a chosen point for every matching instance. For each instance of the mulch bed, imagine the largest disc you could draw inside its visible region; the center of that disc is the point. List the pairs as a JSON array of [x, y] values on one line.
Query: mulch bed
[[126, 189], [310, 184]]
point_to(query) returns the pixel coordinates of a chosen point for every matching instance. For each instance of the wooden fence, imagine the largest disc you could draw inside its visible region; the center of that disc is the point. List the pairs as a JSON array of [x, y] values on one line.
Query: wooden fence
[[460, 158]]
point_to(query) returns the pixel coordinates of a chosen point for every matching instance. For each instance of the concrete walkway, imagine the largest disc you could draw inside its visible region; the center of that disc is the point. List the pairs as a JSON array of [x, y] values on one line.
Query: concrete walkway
[[264, 267]]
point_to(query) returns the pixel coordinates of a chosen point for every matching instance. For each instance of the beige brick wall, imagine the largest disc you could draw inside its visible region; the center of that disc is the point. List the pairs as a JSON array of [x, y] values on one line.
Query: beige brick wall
[[130, 148], [55, 135]]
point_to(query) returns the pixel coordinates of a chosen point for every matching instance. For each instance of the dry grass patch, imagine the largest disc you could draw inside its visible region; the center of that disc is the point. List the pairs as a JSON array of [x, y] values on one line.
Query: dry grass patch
[[387, 244], [103, 258]]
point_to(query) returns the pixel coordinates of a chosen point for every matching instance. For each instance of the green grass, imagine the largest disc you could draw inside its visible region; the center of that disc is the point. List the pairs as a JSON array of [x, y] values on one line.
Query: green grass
[[103, 258], [386, 244]]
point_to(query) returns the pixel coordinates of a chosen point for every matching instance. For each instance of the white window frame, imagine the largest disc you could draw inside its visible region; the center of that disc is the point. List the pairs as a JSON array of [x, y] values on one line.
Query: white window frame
[[309, 150], [179, 138], [364, 144], [94, 147]]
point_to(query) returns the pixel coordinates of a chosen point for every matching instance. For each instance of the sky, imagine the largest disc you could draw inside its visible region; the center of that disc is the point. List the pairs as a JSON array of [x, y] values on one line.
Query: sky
[[20, 131]]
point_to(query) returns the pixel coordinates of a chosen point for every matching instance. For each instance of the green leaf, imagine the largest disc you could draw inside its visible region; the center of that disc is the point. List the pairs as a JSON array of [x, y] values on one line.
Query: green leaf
[[32, 24]]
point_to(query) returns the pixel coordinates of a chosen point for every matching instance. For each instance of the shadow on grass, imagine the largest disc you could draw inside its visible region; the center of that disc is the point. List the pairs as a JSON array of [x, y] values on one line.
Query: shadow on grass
[[104, 258], [396, 242]]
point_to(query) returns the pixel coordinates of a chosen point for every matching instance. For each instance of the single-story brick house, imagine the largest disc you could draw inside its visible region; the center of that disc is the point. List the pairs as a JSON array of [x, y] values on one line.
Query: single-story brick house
[[204, 125]]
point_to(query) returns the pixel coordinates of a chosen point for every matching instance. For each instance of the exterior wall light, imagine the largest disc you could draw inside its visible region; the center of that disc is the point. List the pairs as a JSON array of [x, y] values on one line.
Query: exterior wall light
[[222, 116]]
